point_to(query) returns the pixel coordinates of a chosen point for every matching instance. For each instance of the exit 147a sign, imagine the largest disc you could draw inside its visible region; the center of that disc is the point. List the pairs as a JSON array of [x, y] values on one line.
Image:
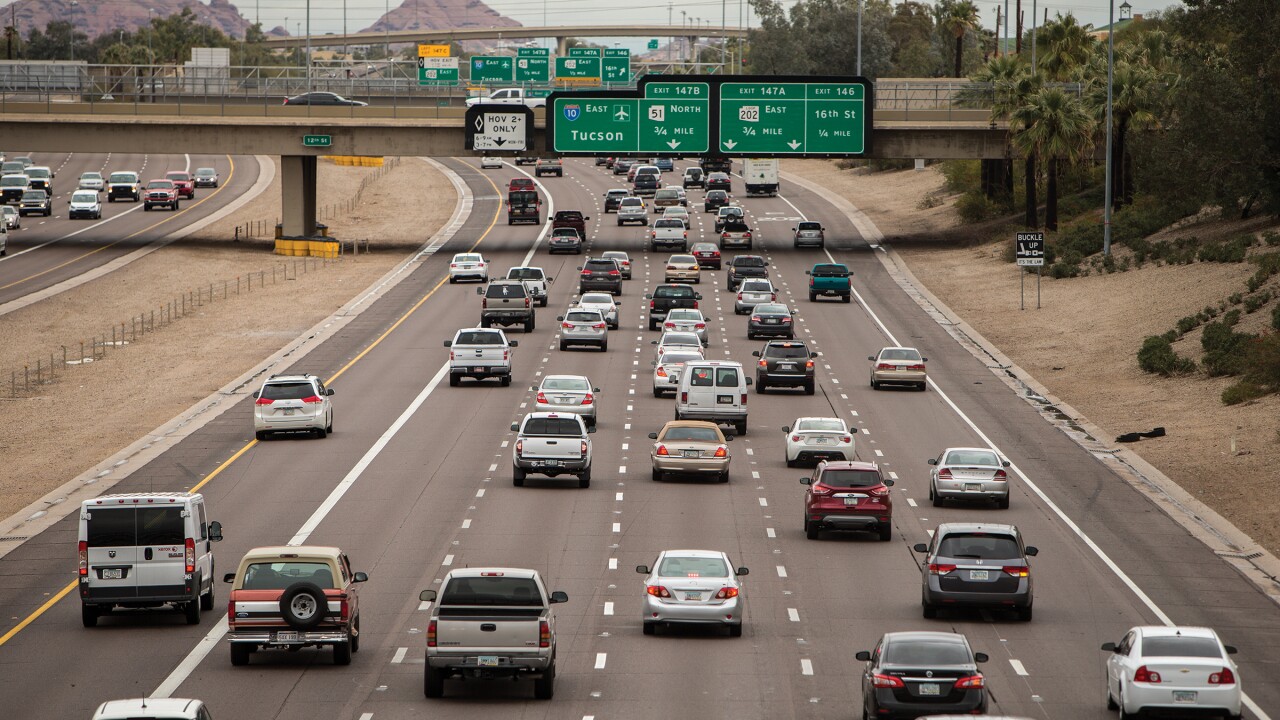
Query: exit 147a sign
[[792, 118]]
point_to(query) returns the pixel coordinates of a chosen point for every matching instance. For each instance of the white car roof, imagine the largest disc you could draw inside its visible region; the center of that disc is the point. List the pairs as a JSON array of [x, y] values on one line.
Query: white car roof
[[147, 708], [139, 499], [480, 571], [696, 553], [596, 298], [1184, 631]]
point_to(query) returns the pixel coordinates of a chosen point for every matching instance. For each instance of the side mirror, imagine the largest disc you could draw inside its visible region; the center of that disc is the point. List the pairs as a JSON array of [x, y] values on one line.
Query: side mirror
[[786, 428], [793, 229], [559, 596], [579, 267], [653, 342], [920, 548], [515, 426], [806, 481], [697, 296], [888, 482], [586, 217], [479, 291], [642, 569], [256, 393], [728, 438], [533, 388], [1004, 463], [653, 436], [328, 391], [591, 429], [1231, 649], [215, 531], [933, 461], [808, 272], [229, 578], [559, 318], [755, 353], [448, 343], [980, 657], [1109, 646], [924, 359], [647, 296], [872, 358], [814, 355], [1032, 551], [748, 381], [766, 264], [427, 596], [862, 655], [514, 343], [742, 571], [595, 390], [360, 577], [551, 279]]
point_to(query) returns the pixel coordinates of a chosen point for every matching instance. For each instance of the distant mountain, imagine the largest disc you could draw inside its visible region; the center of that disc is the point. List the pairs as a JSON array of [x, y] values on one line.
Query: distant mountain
[[440, 14]]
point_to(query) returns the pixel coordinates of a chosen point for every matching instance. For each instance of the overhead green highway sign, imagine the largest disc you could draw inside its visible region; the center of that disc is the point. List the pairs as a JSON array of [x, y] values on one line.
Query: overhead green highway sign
[[492, 69], [578, 69], [584, 52], [616, 66], [740, 115], [533, 52], [533, 69], [437, 71]]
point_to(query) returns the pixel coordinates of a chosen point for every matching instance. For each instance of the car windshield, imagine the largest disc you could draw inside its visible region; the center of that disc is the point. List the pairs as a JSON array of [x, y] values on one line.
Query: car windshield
[[681, 338], [280, 575], [692, 567], [786, 351], [820, 425], [41, 173], [617, 193], [205, 172], [1185, 646], [979, 545], [771, 309], [596, 299], [899, 354], [679, 358], [178, 175], [566, 384], [972, 457], [926, 652], [583, 316], [123, 178], [159, 184], [807, 225], [850, 478], [287, 390], [14, 180], [558, 426], [491, 591], [34, 195], [524, 274], [691, 434], [91, 176], [479, 337], [84, 197], [601, 265]]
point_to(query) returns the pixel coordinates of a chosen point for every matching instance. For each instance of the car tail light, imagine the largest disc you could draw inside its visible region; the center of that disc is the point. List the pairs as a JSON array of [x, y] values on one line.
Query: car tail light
[[614, 273], [588, 399], [973, 682], [773, 296], [453, 265], [686, 233], [542, 397], [944, 474], [884, 366], [721, 452], [191, 555], [84, 558], [754, 318], [700, 326], [669, 325], [566, 325], [650, 304], [916, 368], [846, 439], [582, 448], [544, 634], [231, 614], [1147, 676], [484, 303], [1222, 677], [747, 235], [345, 608], [787, 321], [671, 267], [662, 450], [811, 282], [886, 681], [940, 568], [794, 438], [526, 302], [1000, 475], [878, 491], [263, 401], [819, 489], [312, 399], [739, 296], [695, 304], [658, 591], [506, 354], [764, 363], [1017, 570], [744, 398], [586, 272], [684, 397], [598, 326], [286, 101], [452, 356], [431, 634], [726, 593], [662, 371], [519, 447], [808, 365]]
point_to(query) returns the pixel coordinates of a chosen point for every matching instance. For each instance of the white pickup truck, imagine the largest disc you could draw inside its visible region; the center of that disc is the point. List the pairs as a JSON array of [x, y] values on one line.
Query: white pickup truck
[[508, 96], [551, 444], [491, 622], [534, 279], [669, 234], [479, 353]]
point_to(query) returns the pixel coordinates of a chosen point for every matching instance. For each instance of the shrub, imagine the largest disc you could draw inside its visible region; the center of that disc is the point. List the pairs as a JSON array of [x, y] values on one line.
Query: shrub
[[1254, 302], [962, 175], [1275, 317], [1262, 361], [1268, 265], [1224, 349], [930, 200], [1188, 323], [1236, 298], [1231, 317], [974, 207], [1271, 238], [1109, 263], [1083, 237], [1231, 251], [1170, 336], [880, 164], [1145, 216], [1242, 391], [1061, 270], [1157, 356]]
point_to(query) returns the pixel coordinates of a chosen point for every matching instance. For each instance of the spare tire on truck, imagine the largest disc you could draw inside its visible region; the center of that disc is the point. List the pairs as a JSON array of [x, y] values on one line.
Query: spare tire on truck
[[303, 605]]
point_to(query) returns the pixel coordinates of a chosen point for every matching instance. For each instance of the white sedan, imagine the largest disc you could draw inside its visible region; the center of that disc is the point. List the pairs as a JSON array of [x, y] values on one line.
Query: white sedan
[[815, 439], [12, 220], [604, 303], [666, 371], [468, 266], [1176, 670], [487, 162], [678, 340]]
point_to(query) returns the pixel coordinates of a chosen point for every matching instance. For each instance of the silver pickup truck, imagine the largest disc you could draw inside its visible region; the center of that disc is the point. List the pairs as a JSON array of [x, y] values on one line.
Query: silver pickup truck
[[479, 353], [491, 622], [534, 279], [552, 444]]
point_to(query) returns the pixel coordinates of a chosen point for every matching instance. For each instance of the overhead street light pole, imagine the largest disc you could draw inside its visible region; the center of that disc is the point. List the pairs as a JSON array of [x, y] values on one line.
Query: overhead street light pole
[[1111, 54], [308, 46], [858, 72], [71, 36]]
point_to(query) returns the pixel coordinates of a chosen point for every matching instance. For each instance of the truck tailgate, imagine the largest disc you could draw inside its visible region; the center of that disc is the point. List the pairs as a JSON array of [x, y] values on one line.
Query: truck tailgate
[[478, 355], [559, 447], [495, 634]]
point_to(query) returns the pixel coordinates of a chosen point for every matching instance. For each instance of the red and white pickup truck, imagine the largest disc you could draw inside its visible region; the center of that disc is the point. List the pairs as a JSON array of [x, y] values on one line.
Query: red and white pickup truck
[[294, 597], [160, 192]]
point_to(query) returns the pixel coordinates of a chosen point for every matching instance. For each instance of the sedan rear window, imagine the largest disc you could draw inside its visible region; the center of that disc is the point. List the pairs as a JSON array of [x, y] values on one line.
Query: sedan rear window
[[1180, 647], [524, 274], [583, 316], [899, 354], [693, 567], [979, 545], [679, 314], [821, 425], [771, 309], [491, 591], [926, 652], [479, 337], [972, 457], [694, 434], [850, 478], [287, 391], [784, 351], [678, 358], [567, 427], [565, 384], [596, 299], [631, 202]]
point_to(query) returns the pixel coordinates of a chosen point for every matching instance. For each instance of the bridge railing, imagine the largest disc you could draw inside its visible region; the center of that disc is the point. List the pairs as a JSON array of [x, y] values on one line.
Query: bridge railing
[[953, 98]]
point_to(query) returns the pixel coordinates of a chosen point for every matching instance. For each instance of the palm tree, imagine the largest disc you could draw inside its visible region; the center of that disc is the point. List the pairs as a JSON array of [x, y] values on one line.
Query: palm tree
[[1067, 46], [1053, 124], [1002, 73], [959, 17]]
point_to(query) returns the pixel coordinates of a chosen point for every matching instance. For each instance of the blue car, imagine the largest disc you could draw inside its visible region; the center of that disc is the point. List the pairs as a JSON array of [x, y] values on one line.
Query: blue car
[[664, 164]]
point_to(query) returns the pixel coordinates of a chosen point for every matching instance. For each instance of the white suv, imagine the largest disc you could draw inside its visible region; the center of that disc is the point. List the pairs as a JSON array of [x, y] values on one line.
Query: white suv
[[293, 403]]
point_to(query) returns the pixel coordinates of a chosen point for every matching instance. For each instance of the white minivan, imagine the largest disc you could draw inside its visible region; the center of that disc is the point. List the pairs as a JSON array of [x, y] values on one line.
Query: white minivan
[[144, 550], [715, 391]]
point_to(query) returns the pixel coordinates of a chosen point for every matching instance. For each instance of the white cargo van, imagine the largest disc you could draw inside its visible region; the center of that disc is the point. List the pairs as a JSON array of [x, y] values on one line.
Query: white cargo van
[[144, 550], [760, 176], [715, 391]]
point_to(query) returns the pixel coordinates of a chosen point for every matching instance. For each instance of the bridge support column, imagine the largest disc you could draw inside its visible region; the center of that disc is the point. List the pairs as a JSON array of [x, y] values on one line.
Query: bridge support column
[[562, 47], [693, 48], [298, 195]]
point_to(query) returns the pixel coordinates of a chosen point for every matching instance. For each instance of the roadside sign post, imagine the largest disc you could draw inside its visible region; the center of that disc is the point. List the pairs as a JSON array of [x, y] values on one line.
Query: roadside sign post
[[437, 71], [1029, 252]]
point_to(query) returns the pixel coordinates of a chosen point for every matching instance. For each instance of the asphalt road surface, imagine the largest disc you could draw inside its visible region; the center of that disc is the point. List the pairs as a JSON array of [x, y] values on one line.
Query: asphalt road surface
[[416, 479]]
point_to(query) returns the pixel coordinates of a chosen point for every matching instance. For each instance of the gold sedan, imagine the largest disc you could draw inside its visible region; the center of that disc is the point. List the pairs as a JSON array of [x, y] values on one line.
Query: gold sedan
[[898, 366], [690, 446], [683, 268]]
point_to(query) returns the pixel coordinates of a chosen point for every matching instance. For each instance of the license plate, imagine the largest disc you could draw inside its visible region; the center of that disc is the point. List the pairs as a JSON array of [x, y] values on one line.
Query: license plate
[[692, 453], [786, 366], [113, 574], [972, 487], [288, 411], [487, 661], [477, 369], [564, 400], [552, 463], [693, 596], [851, 501], [1184, 696], [287, 636], [773, 322], [724, 399], [820, 441], [978, 574], [930, 689]]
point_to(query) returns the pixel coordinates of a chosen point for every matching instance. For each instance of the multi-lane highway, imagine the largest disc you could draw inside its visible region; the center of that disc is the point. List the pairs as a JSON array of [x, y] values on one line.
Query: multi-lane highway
[[50, 250], [416, 479]]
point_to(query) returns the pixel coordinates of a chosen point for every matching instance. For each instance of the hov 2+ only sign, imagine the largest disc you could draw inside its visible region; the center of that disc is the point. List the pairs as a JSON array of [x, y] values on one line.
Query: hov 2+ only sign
[[1029, 249], [498, 127]]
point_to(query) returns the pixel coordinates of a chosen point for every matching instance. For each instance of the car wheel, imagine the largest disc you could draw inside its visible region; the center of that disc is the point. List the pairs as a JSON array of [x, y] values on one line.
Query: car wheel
[[261, 435], [342, 652], [89, 616], [192, 612], [517, 476], [657, 393], [1111, 702], [455, 381], [922, 386], [735, 631], [240, 654], [1125, 715], [808, 388], [433, 683], [584, 480], [1024, 614], [506, 380], [484, 323], [874, 385], [811, 530], [320, 432], [528, 325], [206, 600], [886, 532], [761, 386], [563, 346], [604, 346], [937, 499], [355, 636], [741, 426], [929, 611], [1003, 503], [146, 208], [453, 280], [656, 475], [544, 688], [845, 298], [649, 628], [724, 476], [813, 297], [792, 463]]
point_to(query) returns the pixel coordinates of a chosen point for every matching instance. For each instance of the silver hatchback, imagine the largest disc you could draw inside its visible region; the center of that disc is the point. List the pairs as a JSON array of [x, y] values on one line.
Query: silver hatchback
[[969, 474], [583, 327], [571, 394], [694, 587]]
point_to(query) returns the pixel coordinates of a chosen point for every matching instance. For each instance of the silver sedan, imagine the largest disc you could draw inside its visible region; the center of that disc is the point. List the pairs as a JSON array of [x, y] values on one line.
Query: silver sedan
[[686, 320], [666, 373], [583, 327], [969, 474], [602, 302], [698, 587], [571, 394]]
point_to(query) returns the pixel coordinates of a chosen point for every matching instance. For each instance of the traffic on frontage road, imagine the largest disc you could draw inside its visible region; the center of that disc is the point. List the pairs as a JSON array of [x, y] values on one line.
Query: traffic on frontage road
[[831, 507]]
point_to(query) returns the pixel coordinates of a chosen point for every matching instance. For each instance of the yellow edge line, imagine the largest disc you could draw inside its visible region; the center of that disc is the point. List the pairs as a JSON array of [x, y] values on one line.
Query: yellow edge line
[[227, 463], [153, 226]]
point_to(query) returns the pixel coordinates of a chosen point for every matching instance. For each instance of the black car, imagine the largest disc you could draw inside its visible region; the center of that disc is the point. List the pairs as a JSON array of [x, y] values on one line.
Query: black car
[[646, 184], [322, 98], [602, 160], [714, 200], [912, 674], [771, 319], [622, 166], [613, 198], [565, 239], [694, 177], [600, 274], [727, 214], [745, 266], [526, 161], [719, 181], [668, 297], [783, 363]]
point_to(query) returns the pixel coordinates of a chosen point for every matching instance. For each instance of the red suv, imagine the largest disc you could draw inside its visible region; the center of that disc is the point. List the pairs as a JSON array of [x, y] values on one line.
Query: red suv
[[847, 496]]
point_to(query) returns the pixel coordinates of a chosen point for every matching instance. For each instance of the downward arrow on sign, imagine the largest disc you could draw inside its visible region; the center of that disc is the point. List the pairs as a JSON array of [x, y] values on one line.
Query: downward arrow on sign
[[793, 144], [673, 144], [499, 142], [730, 144]]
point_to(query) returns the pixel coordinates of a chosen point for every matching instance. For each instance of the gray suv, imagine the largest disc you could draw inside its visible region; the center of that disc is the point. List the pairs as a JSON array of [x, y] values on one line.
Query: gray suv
[[631, 209], [976, 565], [506, 302]]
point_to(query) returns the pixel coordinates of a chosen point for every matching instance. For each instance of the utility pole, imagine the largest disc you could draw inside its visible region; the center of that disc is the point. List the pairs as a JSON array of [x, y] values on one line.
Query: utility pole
[[724, 41], [1111, 54], [858, 72], [1033, 37], [672, 41], [344, 31], [1018, 35], [308, 46], [1005, 47]]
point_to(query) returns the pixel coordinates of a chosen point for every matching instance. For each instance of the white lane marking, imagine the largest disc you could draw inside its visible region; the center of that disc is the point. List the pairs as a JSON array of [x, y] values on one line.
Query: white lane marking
[[626, 446], [399, 656], [631, 391], [505, 442], [853, 412], [750, 451], [466, 523], [622, 469], [893, 475], [424, 605], [448, 560], [912, 502], [755, 475], [618, 497], [879, 453], [617, 527], [626, 426], [782, 571], [930, 532], [493, 467], [366, 716], [613, 563], [770, 532], [763, 501], [793, 614], [1018, 668], [866, 431], [806, 666], [608, 608], [480, 492], [600, 660]]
